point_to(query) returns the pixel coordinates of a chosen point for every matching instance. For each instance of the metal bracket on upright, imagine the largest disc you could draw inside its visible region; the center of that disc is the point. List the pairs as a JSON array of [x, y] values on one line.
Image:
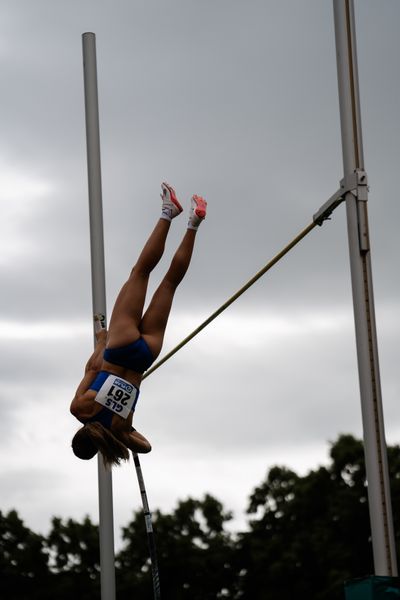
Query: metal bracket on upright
[[356, 183]]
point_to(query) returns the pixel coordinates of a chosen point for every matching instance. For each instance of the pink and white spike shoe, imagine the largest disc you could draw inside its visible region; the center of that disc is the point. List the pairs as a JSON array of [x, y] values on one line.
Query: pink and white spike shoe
[[170, 204], [198, 212]]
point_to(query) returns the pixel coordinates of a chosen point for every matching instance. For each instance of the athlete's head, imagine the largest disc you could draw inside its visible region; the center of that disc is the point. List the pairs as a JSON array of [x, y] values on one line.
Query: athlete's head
[[82, 445], [93, 438]]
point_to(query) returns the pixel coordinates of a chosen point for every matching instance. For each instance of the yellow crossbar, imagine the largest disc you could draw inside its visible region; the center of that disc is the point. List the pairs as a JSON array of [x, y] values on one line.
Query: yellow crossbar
[[232, 299]]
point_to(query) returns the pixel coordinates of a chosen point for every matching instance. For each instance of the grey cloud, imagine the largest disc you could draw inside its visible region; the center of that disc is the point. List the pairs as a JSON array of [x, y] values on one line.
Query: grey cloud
[[235, 102]]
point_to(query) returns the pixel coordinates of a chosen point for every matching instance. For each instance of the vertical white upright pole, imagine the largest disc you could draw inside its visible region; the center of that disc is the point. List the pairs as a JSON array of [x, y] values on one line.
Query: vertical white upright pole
[[363, 300], [106, 527]]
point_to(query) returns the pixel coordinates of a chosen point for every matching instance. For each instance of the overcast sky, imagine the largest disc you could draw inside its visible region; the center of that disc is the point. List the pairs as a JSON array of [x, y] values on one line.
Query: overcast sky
[[236, 101]]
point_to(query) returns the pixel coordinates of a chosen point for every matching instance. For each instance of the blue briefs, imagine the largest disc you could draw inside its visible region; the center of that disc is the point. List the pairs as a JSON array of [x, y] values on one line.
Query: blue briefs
[[136, 356], [99, 380], [104, 416]]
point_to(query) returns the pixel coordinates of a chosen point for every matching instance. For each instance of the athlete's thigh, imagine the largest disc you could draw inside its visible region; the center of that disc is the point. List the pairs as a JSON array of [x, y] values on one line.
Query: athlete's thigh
[[154, 322], [127, 312]]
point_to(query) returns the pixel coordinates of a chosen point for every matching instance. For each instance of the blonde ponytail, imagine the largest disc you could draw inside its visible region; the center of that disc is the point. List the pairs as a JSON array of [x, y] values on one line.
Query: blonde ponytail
[[93, 437]]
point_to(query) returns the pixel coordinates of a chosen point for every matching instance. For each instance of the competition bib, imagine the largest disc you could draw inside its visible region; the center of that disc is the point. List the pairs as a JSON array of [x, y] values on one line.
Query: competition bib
[[118, 395]]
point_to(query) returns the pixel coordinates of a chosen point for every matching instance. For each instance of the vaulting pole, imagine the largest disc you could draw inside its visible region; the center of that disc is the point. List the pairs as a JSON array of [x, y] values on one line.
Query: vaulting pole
[[106, 528], [149, 529], [363, 299]]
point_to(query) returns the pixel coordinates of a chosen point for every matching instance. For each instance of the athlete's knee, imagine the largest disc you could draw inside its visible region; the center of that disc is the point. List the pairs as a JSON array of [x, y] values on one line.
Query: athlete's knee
[[138, 272], [170, 283], [139, 443]]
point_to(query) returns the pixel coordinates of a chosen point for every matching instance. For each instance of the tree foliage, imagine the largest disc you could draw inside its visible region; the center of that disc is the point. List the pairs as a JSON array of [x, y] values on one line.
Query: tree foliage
[[310, 533], [194, 552], [306, 535], [74, 558], [23, 560]]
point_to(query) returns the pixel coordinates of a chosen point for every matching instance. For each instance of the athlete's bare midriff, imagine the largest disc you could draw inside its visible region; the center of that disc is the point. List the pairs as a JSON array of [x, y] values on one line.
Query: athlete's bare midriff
[[127, 374]]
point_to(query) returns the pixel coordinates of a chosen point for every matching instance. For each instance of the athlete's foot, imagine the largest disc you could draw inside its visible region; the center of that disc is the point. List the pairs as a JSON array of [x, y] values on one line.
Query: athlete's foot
[[170, 203], [198, 210]]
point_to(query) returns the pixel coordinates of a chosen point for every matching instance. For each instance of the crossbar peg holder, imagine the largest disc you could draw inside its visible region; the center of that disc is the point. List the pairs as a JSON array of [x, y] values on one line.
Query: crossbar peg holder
[[356, 183]]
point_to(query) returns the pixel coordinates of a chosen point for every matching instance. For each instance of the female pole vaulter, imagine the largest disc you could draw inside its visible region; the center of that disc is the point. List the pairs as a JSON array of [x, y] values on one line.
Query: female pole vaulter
[[106, 397]]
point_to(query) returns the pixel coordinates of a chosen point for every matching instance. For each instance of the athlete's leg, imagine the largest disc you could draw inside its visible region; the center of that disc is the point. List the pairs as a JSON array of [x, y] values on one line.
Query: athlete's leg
[[154, 322], [128, 308]]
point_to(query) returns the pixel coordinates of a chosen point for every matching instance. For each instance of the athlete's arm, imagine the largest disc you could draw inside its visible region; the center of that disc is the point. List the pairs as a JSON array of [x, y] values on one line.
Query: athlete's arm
[[92, 368]]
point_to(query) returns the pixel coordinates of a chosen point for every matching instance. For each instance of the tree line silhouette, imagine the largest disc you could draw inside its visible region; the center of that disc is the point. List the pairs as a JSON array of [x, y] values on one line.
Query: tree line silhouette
[[306, 536]]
